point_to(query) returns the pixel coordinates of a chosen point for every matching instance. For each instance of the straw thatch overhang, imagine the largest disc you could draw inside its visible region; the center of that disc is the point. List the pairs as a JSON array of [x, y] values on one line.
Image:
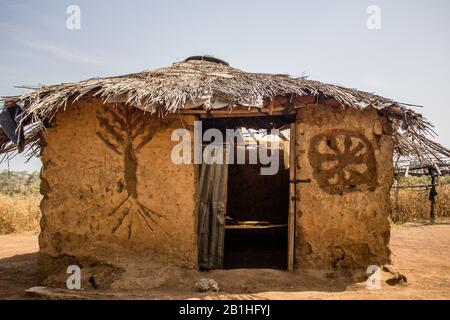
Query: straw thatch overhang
[[210, 87]]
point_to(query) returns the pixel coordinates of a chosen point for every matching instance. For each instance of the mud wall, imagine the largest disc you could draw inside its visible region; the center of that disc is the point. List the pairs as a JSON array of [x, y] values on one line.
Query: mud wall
[[112, 195], [342, 214]]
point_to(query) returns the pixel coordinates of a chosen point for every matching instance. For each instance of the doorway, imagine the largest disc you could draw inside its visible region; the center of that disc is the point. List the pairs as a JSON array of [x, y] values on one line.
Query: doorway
[[257, 217], [245, 215]]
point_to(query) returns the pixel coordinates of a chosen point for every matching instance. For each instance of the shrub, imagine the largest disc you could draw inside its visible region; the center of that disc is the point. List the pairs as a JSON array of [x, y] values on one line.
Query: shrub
[[19, 213]]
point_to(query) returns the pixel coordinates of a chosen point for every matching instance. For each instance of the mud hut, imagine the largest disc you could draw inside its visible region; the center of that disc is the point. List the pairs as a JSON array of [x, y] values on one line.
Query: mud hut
[[114, 201]]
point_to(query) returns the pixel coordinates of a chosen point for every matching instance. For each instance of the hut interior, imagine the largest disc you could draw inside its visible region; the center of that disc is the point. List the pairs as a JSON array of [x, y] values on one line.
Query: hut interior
[[257, 205]]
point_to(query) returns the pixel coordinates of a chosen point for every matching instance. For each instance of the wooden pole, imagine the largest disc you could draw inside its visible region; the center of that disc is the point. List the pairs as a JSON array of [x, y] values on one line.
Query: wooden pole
[[396, 217], [432, 196], [292, 199]]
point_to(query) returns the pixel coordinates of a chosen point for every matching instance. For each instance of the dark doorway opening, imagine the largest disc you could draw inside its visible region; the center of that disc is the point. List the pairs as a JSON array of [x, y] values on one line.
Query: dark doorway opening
[[257, 217], [245, 220]]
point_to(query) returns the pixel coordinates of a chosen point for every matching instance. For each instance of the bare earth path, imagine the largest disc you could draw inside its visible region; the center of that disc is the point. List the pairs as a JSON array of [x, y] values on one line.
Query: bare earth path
[[421, 253], [17, 264]]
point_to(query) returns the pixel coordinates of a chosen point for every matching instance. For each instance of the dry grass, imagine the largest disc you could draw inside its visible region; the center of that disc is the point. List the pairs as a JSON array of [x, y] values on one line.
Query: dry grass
[[414, 205], [19, 213]]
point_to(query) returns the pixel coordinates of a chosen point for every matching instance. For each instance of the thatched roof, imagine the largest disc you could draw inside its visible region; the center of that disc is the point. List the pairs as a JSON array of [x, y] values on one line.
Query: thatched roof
[[208, 84]]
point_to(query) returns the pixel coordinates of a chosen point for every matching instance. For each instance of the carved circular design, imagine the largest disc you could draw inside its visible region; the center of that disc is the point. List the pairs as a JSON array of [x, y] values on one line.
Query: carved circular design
[[343, 161]]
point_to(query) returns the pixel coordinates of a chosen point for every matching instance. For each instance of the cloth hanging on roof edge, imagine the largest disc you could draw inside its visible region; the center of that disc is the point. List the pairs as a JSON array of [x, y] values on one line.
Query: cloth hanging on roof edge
[[10, 122]]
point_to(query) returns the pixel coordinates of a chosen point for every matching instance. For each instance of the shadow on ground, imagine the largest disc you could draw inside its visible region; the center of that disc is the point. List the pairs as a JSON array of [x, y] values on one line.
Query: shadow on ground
[[17, 274]]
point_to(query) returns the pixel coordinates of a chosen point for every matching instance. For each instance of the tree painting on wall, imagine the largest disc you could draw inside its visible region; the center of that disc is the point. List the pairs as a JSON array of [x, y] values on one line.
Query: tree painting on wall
[[125, 132]]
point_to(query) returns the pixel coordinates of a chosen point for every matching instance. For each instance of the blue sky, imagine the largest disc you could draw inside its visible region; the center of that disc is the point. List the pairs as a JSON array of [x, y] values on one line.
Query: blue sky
[[407, 59]]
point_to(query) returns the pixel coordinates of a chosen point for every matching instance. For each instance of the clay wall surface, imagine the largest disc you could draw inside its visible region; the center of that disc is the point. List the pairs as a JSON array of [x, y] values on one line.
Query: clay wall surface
[[342, 214], [112, 195]]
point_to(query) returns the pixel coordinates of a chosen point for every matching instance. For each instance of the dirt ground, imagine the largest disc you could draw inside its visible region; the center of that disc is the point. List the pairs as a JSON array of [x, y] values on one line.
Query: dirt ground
[[420, 252]]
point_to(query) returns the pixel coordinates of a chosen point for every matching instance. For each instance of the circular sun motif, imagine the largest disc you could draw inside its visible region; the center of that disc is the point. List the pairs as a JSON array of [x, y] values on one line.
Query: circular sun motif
[[343, 161]]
